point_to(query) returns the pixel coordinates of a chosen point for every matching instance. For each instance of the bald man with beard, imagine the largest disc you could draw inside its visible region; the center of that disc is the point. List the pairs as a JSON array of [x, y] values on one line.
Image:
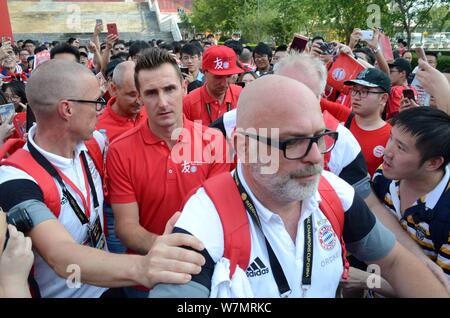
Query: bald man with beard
[[64, 97], [286, 199]]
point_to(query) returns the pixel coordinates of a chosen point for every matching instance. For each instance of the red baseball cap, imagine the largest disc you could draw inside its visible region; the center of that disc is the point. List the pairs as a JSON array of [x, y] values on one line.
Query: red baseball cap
[[220, 60]]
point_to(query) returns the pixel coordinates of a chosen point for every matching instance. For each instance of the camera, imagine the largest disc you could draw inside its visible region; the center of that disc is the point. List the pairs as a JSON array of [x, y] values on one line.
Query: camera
[[21, 220], [327, 48]]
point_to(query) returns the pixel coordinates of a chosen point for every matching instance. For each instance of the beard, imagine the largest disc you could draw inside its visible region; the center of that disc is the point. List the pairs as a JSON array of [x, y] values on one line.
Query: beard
[[288, 188]]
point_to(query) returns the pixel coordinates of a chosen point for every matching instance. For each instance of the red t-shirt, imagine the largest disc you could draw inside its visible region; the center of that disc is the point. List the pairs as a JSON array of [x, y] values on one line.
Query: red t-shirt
[[372, 144], [195, 104], [114, 124], [393, 105], [142, 169], [338, 111]]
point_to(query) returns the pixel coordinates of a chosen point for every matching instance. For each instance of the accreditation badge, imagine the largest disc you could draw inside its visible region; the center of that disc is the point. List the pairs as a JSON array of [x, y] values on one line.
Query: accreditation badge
[[96, 236]]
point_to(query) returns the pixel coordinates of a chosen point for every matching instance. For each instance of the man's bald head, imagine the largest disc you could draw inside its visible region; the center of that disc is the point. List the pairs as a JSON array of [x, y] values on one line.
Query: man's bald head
[[54, 81], [123, 71], [272, 101]]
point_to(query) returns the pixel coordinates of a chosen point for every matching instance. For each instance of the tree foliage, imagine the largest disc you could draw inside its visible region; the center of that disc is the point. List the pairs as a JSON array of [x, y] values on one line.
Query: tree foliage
[[266, 19]]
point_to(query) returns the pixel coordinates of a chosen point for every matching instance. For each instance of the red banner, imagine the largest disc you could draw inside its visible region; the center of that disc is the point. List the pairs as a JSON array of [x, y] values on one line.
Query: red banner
[[5, 23]]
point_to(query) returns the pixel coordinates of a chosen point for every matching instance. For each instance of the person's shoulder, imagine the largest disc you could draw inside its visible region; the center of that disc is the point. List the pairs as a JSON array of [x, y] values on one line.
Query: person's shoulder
[[9, 173], [380, 183], [194, 96], [235, 89], [123, 141], [205, 131], [344, 191], [346, 137]]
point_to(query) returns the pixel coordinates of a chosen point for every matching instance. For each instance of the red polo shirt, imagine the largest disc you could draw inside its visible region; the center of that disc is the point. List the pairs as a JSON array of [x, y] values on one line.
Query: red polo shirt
[[116, 124], [142, 169], [195, 104]]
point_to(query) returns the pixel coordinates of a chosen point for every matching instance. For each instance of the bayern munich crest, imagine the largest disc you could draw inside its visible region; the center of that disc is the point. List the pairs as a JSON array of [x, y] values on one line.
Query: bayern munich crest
[[338, 74], [327, 238]]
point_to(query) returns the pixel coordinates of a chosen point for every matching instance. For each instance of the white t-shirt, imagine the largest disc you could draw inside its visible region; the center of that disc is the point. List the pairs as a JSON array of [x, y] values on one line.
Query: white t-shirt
[[50, 284]]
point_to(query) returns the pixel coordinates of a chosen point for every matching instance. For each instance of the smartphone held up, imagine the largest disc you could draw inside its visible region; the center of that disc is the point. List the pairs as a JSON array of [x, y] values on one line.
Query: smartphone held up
[[299, 43]]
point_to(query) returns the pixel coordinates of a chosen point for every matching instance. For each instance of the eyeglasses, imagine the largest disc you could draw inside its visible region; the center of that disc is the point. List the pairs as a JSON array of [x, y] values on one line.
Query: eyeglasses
[[364, 94], [99, 103], [298, 148], [119, 48]]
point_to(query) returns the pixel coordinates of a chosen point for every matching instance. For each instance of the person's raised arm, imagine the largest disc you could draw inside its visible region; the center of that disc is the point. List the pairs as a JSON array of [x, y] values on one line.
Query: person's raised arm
[[374, 45], [436, 84], [110, 40]]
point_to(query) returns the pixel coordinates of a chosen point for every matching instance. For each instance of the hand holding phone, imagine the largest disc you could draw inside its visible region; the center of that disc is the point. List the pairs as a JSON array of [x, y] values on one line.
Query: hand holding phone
[[184, 70], [328, 48], [367, 35], [299, 43], [409, 94], [112, 29]]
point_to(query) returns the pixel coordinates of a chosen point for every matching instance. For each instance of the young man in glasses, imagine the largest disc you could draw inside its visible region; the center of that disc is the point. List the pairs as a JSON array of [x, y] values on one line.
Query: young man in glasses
[[294, 251], [370, 92], [56, 182]]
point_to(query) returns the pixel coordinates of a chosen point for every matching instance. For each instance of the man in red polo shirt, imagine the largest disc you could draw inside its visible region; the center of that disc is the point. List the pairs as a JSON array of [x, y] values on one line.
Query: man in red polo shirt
[[124, 110], [218, 95], [152, 168]]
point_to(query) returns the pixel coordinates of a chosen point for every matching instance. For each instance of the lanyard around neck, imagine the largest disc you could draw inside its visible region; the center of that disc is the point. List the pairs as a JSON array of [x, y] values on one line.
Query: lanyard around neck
[[280, 278], [208, 108], [62, 179]]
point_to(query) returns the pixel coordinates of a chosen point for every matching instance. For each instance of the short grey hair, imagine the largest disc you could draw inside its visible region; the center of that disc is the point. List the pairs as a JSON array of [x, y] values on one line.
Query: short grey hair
[[304, 61], [53, 81]]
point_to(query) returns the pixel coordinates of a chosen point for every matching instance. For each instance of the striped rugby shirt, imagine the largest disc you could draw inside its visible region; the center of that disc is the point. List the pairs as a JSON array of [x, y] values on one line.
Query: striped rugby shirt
[[388, 192]]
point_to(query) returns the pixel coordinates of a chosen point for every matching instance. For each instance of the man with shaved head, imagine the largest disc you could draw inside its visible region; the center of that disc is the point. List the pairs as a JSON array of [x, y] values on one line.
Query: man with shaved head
[[124, 111], [54, 183], [294, 250]]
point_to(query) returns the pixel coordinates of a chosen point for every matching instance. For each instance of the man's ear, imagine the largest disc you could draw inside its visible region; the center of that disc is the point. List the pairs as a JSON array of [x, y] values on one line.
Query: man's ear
[[240, 145], [65, 109], [113, 89], [434, 164]]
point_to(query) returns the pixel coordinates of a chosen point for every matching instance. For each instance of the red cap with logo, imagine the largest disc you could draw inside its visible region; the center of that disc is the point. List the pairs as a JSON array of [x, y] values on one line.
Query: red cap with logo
[[220, 60]]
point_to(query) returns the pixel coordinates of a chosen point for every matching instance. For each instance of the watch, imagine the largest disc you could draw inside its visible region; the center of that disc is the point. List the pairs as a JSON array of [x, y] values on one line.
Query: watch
[[375, 51]]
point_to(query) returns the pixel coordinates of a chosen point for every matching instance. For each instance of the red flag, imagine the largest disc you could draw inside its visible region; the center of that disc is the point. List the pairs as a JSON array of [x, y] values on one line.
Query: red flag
[[5, 23]]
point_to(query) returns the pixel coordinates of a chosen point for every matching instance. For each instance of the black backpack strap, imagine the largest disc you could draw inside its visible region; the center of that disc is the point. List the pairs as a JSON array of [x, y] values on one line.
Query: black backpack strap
[[349, 120]]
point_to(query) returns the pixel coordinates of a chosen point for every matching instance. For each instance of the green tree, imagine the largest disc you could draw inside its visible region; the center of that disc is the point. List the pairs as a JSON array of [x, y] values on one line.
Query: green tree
[[412, 14], [440, 18]]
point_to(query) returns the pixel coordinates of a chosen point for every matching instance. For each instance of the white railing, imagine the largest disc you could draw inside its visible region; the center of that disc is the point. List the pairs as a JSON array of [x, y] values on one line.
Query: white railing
[[166, 23]]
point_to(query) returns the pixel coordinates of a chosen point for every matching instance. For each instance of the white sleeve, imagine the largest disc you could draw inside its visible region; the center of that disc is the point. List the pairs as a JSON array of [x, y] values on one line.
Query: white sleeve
[[345, 151]]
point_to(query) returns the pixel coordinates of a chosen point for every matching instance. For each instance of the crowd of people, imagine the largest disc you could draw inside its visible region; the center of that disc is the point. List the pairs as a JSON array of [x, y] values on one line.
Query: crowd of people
[[192, 169]]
